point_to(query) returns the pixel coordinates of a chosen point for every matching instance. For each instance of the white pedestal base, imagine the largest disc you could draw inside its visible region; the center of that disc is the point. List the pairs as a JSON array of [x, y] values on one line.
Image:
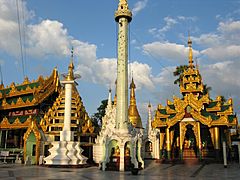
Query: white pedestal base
[[65, 153]]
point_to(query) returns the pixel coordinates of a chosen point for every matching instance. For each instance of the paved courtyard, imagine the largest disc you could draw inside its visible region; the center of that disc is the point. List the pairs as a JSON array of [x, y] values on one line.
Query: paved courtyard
[[152, 171]]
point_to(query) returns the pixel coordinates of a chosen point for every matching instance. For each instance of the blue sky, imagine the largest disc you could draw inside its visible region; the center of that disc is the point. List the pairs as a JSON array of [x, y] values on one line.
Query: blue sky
[[158, 43]]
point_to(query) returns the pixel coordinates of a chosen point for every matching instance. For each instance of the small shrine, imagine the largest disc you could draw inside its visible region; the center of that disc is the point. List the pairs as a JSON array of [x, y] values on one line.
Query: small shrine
[[194, 126]]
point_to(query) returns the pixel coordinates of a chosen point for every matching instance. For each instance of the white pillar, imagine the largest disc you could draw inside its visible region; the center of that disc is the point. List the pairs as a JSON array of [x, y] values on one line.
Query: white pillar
[[157, 148], [121, 166], [122, 74], [66, 134], [224, 154], [68, 104]]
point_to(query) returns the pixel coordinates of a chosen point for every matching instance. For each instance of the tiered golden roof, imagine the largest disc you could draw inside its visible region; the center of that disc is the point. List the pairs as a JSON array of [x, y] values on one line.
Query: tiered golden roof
[[194, 103], [133, 114], [191, 81], [28, 93], [53, 120], [21, 102]]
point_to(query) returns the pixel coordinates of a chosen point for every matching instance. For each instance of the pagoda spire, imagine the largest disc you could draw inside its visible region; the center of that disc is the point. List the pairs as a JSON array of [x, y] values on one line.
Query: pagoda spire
[[70, 75], [190, 54], [134, 116]]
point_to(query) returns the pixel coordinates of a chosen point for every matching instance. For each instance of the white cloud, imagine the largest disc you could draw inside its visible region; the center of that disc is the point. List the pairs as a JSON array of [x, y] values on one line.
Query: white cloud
[[222, 45], [103, 71], [223, 53], [8, 10], [138, 6], [229, 27], [142, 74], [168, 51], [210, 39], [47, 38], [170, 22], [9, 40], [222, 77]]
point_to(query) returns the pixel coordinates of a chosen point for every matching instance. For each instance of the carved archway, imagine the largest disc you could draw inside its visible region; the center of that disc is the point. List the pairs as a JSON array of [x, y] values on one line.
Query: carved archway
[[33, 128]]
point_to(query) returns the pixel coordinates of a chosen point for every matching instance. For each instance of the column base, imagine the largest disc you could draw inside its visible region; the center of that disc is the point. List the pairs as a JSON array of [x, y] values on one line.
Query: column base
[[160, 154], [217, 154], [66, 135], [169, 155], [199, 154], [181, 154]]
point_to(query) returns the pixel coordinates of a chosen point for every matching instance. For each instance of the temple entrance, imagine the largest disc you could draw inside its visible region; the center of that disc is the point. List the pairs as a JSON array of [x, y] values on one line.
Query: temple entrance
[[148, 150], [114, 156], [127, 157], [189, 144], [31, 149]]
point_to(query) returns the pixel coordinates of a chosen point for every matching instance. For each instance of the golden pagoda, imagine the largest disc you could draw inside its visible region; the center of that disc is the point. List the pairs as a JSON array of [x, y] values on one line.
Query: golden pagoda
[[133, 114], [194, 126], [21, 109], [32, 114]]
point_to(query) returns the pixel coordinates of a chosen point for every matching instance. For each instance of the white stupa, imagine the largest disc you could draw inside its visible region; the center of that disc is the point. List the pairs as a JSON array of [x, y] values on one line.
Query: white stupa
[[66, 151]]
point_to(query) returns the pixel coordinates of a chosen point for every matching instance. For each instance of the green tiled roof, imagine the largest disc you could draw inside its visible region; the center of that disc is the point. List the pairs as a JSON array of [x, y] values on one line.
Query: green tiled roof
[[231, 118], [5, 91], [206, 114], [172, 106], [22, 119], [21, 87], [163, 111], [212, 104], [225, 107], [32, 85], [172, 116]]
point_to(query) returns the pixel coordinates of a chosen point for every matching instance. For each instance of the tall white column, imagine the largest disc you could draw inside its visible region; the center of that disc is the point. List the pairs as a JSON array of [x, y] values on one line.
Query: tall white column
[[122, 75], [122, 16], [66, 134]]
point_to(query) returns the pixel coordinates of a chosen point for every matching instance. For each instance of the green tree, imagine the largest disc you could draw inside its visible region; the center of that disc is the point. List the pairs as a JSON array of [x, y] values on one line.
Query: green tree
[[97, 117], [179, 72]]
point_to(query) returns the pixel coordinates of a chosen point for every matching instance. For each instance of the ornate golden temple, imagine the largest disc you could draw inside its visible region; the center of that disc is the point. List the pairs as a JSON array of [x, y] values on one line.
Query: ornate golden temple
[[32, 114], [194, 126]]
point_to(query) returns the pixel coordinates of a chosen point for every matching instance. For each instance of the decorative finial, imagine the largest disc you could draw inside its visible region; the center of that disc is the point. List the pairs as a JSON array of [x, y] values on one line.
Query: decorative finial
[[149, 104], [123, 11], [72, 53], [70, 75], [190, 54], [132, 85]]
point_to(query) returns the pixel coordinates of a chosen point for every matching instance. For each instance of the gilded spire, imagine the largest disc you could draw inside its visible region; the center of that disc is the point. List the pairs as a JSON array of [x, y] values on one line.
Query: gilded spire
[[190, 54], [133, 114], [132, 95], [70, 75], [123, 11], [191, 79]]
